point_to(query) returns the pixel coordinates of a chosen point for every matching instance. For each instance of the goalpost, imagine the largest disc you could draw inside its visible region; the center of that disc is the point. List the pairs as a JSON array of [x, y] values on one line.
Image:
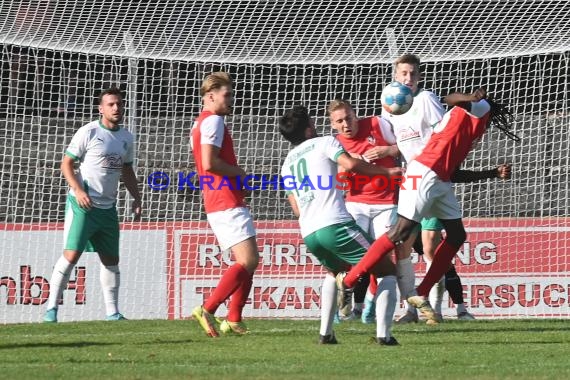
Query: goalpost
[[57, 56]]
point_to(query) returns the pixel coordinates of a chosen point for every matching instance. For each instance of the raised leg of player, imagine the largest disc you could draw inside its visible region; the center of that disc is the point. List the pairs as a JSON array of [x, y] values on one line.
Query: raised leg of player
[[444, 253], [328, 307], [379, 249], [58, 282], [386, 298]]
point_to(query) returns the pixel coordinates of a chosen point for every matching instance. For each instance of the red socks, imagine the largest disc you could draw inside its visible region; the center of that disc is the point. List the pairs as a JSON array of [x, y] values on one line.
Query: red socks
[[443, 255], [233, 279], [376, 252], [239, 298]]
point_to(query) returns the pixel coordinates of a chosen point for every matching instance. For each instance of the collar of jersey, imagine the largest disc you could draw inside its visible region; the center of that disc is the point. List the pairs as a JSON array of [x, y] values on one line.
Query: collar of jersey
[[107, 129]]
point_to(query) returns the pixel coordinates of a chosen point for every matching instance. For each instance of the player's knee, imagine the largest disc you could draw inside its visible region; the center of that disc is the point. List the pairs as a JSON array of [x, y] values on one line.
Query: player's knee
[[456, 237], [400, 232]]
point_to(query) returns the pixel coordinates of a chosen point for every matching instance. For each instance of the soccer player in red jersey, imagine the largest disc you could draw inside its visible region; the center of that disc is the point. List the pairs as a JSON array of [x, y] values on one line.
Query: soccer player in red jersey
[[432, 193], [373, 204], [224, 203]]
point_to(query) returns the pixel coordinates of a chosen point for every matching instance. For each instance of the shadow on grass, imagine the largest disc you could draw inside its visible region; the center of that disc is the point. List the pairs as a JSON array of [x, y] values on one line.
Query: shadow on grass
[[54, 345]]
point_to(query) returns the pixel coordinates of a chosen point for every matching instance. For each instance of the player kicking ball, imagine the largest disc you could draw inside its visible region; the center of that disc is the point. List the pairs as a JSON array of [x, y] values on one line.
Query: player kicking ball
[[432, 195], [328, 229]]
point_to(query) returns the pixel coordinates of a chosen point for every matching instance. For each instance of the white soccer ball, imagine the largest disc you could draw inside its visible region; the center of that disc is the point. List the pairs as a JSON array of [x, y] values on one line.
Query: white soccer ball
[[397, 98]]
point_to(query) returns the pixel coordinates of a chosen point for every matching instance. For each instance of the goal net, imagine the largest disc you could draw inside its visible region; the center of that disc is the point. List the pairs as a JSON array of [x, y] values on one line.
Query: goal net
[[57, 56]]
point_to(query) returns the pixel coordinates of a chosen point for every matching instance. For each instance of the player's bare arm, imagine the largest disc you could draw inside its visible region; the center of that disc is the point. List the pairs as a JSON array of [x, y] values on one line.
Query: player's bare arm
[[130, 181], [294, 205], [363, 167], [214, 164], [466, 176], [69, 173], [464, 100], [379, 152]]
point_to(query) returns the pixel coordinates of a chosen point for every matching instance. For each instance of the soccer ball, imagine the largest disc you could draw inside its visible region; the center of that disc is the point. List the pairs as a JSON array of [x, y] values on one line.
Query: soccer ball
[[396, 98]]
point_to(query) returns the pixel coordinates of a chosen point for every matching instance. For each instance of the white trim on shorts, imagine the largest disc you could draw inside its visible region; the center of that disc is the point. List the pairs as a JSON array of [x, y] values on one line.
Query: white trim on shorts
[[231, 226], [431, 196]]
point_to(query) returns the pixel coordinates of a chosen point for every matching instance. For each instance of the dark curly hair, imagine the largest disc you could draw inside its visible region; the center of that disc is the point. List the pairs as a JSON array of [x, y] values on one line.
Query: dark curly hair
[[294, 123]]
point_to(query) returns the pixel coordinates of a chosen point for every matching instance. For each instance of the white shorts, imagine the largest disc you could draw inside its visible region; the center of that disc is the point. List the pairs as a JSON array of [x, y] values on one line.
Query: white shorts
[[430, 197], [231, 226], [373, 219]]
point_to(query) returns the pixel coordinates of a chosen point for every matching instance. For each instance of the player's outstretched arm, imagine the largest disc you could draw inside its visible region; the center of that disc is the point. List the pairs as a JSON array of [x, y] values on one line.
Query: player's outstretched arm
[[464, 100], [466, 176], [362, 167], [68, 171], [131, 183]]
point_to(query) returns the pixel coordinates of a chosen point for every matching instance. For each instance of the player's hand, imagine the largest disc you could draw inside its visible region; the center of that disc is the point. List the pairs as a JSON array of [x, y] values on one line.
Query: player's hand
[[479, 94], [83, 199], [136, 208], [504, 171], [378, 152], [396, 172]]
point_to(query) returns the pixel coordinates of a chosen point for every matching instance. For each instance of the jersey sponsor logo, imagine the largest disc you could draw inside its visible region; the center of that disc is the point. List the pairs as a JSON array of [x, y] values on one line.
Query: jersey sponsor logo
[[409, 135], [112, 161]]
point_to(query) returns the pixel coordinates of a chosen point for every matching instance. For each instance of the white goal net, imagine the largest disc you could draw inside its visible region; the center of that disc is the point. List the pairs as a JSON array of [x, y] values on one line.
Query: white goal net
[[58, 55]]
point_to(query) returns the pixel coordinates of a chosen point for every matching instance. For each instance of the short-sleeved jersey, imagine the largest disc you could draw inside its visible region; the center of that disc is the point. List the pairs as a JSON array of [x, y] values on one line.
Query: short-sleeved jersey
[[372, 131], [221, 193], [414, 128], [102, 153], [311, 167], [453, 138]]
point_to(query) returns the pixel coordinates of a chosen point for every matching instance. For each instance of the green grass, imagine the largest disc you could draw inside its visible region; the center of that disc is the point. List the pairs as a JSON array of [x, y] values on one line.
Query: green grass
[[284, 349]]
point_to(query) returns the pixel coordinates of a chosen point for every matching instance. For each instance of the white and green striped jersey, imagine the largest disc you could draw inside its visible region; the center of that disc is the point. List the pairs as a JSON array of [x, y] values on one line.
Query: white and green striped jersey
[[310, 174], [102, 153]]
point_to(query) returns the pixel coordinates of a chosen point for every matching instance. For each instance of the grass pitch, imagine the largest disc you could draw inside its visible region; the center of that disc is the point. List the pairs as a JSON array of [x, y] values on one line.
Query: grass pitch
[[285, 349]]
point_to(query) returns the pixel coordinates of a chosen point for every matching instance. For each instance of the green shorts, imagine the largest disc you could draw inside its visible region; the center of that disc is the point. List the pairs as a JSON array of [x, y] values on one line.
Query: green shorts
[[337, 245], [94, 230], [431, 224]]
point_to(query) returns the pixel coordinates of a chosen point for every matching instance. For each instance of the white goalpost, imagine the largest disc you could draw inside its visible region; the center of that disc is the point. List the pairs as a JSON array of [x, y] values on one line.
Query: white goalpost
[[58, 55]]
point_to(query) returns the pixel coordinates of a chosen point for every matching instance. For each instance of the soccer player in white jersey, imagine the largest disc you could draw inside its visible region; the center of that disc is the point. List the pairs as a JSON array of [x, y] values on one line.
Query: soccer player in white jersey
[[328, 229], [105, 151], [433, 168], [413, 130]]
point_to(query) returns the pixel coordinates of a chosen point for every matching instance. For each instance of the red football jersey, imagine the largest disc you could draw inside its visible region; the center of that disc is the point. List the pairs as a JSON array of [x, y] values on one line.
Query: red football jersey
[[451, 141], [369, 136], [224, 193]]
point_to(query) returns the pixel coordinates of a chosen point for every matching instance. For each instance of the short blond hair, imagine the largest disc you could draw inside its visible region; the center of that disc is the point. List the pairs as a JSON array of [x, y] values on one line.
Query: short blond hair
[[338, 104], [215, 81], [410, 59]]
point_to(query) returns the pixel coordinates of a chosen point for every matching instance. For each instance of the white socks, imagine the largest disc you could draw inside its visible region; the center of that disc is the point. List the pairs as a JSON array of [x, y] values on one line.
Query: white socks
[[110, 278], [328, 304], [58, 282], [406, 281], [406, 277], [461, 308], [386, 299], [436, 292]]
